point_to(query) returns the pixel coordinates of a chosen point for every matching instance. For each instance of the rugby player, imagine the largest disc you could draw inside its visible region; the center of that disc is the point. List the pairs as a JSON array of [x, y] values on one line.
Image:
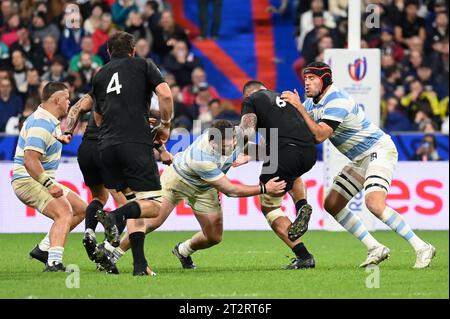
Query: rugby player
[[293, 153], [36, 160], [331, 113], [196, 176], [122, 90]]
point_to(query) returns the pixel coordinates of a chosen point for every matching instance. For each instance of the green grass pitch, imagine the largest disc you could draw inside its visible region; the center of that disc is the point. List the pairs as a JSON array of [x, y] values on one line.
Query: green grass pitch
[[245, 265]]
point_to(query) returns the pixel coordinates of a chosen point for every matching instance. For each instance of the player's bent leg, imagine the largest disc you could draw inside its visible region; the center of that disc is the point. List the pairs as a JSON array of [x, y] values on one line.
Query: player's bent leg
[[60, 210], [346, 185], [303, 209], [99, 199], [210, 235], [78, 209], [151, 224]]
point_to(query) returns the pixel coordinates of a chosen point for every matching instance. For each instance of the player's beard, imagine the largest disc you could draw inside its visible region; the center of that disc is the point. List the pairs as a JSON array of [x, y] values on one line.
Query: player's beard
[[310, 95]]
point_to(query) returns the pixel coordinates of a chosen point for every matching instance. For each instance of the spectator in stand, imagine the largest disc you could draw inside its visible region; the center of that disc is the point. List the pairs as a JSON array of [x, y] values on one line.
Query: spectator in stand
[[223, 111], [10, 103], [180, 62], [120, 11], [319, 30], [216, 19], [415, 60], [396, 120], [423, 120], [33, 51], [33, 83], [152, 14], [166, 33], [93, 22], [135, 27], [71, 36], [143, 51], [41, 28], [339, 9], [102, 33], [6, 10], [87, 46], [427, 150], [440, 65], [306, 20], [409, 24], [19, 71], [200, 109], [56, 72], [413, 100], [438, 32], [9, 34], [15, 123], [190, 92], [87, 68], [391, 79], [50, 46], [387, 45]]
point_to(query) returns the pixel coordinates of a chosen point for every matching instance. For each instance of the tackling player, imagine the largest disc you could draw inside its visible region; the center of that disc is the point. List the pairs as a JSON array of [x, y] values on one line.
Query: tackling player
[[196, 176]]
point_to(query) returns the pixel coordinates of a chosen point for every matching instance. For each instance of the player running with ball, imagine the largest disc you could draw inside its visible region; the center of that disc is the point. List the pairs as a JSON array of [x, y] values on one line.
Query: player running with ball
[[331, 113]]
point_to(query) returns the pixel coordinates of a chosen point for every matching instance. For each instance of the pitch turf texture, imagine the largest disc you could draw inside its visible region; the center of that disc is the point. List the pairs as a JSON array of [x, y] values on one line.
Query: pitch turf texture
[[245, 265]]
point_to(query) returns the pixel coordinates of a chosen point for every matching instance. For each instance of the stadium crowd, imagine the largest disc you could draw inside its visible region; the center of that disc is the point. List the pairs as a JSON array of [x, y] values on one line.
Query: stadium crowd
[[413, 38], [43, 40]]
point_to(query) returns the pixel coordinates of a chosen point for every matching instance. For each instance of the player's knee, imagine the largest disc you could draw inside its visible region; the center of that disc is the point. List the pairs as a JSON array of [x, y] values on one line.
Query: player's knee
[[374, 204], [63, 215], [330, 207], [214, 239]]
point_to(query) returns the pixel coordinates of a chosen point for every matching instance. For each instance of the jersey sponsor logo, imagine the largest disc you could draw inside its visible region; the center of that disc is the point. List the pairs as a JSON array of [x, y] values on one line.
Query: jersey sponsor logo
[[358, 69]]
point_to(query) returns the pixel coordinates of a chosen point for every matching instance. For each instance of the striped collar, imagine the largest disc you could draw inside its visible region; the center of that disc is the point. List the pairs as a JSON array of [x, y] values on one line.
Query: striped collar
[[51, 117]]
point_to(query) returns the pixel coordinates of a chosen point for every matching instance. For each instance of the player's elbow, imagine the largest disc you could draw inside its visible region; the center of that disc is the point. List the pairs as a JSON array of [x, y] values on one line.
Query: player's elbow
[[319, 139]]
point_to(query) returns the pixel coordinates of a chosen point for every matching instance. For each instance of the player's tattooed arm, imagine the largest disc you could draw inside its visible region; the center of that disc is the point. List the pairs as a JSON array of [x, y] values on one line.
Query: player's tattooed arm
[[83, 105]]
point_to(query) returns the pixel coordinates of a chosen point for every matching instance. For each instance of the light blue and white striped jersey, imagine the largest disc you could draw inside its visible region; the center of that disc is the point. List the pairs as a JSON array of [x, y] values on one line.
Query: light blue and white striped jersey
[[37, 134], [356, 134], [200, 164]]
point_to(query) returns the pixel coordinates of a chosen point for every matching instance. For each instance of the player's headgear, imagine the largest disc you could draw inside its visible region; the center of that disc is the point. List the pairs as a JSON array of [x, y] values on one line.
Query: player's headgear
[[322, 71]]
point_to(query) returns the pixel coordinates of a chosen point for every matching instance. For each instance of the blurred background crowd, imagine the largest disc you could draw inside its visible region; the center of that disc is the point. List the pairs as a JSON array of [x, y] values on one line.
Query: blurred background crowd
[[45, 40]]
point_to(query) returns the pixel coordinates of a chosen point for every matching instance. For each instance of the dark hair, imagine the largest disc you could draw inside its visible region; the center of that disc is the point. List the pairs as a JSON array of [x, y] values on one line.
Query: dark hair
[[52, 87], [58, 60], [251, 84], [221, 127], [213, 101], [121, 43], [153, 4]]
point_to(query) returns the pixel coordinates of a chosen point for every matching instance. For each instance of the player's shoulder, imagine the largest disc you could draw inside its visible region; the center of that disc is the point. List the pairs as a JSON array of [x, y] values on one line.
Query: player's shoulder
[[338, 98]]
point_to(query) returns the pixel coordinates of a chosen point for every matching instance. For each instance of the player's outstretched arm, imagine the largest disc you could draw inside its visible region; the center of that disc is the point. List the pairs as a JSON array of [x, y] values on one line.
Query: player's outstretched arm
[[272, 187], [82, 106], [321, 130]]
